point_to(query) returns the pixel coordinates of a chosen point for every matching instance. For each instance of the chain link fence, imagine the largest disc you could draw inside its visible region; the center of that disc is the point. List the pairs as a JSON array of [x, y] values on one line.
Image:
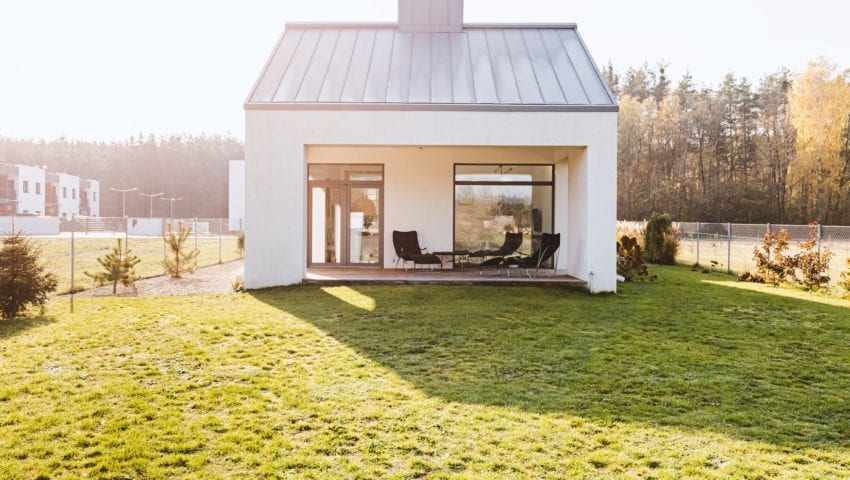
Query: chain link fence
[[729, 246], [87, 239]]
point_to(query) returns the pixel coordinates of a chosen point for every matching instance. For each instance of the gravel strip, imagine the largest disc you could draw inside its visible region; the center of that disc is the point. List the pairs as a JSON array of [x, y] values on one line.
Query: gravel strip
[[207, 280]]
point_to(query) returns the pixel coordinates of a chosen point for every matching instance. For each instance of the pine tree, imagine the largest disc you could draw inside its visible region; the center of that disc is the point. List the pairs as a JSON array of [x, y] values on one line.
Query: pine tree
[[24, 280], [180, 258], [118, 267]]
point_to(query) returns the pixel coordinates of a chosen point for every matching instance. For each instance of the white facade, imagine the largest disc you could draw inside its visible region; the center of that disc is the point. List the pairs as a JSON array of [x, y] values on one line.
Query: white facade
[[30, 185], [418, 189], [91, 190], [68, 193], [236, 195]]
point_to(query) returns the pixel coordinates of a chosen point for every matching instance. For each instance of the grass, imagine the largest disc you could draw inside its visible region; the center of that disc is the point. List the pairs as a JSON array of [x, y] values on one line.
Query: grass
[[687, 377], [57, 255]]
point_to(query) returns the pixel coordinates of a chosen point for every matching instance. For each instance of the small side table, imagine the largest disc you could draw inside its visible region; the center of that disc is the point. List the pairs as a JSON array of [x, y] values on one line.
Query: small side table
[[459, 258]]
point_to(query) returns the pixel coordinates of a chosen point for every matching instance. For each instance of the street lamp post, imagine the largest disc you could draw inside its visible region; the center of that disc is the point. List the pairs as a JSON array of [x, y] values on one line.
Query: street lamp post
[[124, 198], [151, 196], [172, 200]]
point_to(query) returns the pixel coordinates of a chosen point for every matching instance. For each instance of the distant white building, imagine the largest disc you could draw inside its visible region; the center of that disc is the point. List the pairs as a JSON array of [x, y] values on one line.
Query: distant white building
[[63, 195], [22, 189], [89, 197], [236, 196]]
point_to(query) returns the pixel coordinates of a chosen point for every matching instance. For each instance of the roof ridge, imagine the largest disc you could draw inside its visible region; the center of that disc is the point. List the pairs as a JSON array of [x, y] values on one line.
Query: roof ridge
[[394, 25]]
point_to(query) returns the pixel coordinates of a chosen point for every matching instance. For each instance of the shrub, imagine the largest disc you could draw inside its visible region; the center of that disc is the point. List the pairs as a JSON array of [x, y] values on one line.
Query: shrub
[[661, 241], [118, 267], [180, 259], [845, 280], [240, 244], [772, 266], [635, 230], [808, 266], [631, 262], [24, 281]]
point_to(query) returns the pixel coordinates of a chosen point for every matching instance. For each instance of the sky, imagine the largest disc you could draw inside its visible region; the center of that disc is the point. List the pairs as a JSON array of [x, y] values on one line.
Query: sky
[[109, 69]]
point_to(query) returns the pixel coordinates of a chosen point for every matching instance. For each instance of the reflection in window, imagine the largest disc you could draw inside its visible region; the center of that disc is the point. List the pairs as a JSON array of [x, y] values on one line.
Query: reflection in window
[[491, 200]]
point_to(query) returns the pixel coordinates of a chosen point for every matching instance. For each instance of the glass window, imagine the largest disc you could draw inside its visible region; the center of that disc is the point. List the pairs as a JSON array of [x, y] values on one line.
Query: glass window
[[64, 192], [74, 193], [26, 186], [503, 173], [346, 173], [37, 188], [491, 200]]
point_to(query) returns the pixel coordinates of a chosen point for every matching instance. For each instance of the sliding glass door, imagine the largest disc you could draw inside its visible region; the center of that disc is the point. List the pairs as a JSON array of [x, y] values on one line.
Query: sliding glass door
[[345, 215]]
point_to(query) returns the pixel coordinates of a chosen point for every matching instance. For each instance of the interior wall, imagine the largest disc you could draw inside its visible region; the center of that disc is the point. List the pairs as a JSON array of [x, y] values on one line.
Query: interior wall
[[419, 184]]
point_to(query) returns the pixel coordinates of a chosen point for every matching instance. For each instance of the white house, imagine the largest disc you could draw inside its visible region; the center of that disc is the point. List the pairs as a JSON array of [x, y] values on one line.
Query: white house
[[63, 195], [460, 132], [236, 196], [89, 197], [22, 190]]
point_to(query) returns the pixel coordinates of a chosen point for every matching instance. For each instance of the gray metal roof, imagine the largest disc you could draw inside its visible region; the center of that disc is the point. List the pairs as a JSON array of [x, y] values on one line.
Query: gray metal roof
[[503, 67]]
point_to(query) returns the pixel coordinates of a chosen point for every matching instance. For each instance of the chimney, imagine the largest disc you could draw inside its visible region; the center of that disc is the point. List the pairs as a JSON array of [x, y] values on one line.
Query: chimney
[[430, 15]]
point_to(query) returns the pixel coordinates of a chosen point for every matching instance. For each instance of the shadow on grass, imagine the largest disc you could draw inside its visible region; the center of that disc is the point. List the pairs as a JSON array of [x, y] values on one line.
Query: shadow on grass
[[677, 352], [10, 328]]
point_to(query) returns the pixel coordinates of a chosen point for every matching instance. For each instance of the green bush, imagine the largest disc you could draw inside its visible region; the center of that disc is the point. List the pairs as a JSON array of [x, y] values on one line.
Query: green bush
[[845, 280], [631, 263], [24, 281], [661, 240], [117, 267]]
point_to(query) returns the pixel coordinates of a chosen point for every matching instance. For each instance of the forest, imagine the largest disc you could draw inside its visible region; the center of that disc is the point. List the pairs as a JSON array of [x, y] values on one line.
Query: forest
[[192, 167], [776, 151]]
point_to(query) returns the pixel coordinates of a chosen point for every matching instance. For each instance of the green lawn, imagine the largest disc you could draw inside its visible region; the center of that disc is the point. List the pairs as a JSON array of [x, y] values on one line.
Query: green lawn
[[693, 376], [57, 255]]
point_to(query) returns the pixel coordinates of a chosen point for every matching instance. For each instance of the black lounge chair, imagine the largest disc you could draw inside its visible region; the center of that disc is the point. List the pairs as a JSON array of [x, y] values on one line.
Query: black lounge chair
[[548, 249], [512, 243], [407, 249]]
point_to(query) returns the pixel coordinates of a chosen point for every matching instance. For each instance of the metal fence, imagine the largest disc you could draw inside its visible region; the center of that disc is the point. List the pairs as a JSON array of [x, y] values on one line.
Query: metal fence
[[74, 248], [729, 246]]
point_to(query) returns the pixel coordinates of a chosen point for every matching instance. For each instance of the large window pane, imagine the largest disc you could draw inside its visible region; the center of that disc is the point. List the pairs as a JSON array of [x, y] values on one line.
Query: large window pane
[[483, 213]]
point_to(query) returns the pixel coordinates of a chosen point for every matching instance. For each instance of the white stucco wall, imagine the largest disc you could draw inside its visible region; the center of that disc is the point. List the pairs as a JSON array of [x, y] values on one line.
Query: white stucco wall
[[68, 205], [29, 225], [278, 142], [236, 195], [30, 202], [94, 198]]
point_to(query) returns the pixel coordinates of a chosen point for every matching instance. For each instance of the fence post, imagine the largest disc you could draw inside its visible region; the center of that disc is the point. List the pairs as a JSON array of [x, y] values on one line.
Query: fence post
[[13, 224], [195, 230], [729, 248], [219, 240], [769, 229], [72, 271], [820, 237], [698, 229]]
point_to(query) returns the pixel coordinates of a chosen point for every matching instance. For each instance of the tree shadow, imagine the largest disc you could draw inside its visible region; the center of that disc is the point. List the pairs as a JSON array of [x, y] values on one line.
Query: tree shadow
[[674, 353], [10, 328]]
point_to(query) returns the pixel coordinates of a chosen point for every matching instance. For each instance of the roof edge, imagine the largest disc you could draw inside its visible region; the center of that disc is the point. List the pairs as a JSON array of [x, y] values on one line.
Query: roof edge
[[394, 25], [458, 107]]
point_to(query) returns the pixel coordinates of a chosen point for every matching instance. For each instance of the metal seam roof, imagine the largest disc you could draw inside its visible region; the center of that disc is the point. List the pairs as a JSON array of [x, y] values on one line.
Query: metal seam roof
[[530, 67]]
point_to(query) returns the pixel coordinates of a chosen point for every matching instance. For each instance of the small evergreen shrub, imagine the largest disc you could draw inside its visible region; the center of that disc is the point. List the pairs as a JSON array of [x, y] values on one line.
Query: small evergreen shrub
[[240, 244], [24, 280], [661, 241], [118, 267], [180, 258]]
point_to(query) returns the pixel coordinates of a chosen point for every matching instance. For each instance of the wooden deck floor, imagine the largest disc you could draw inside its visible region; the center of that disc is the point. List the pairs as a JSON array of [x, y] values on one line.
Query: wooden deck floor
[[382, 276]]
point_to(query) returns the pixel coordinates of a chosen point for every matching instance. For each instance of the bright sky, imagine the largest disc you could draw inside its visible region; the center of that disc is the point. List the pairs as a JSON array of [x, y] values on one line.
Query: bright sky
[[106, 69]]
